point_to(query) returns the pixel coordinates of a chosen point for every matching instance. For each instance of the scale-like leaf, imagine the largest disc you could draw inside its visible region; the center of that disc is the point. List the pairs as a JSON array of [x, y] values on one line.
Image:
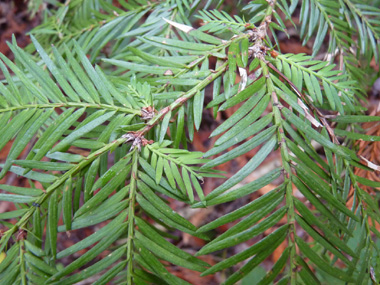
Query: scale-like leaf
[[243, 235], [269, 240], [156, 267], [95, 237], [355, 119], [251, 264], [40, 264], [181, 44], [81, 131], [318, 204], [329, 235], [55, 95], [12, 214], [67, 203], [276, 269], [244, 190], [161, 252], [163, 207], [91, 254], [52, 226], [187, 183], [246, 170], [17, 198], [240, 150], [21, 190], [161, 188], [243, 110], [162, 61], [241, 125], [25, 135], [303, 126], [110, 274], [321, 188], [152, 234], [58, 166], [104, 192], [95, 268], [14, 126], [253, 129], [306, 273], [149, 208], [318, 238], [54, 132], [72, 78], [250, 207], [338, 273]]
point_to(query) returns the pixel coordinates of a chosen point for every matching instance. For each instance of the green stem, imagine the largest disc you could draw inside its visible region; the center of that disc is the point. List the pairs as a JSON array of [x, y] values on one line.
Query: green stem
[[22, 263], [131, 214], [287, 171]]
